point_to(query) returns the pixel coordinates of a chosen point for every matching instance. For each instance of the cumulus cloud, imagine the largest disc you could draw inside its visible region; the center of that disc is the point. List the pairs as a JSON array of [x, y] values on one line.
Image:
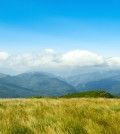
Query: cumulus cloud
[[113, 61], [82, 58], [50, 58]]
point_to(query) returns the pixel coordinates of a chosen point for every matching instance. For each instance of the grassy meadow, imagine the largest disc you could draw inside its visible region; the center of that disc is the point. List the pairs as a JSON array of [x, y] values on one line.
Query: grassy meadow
[[60, 116]]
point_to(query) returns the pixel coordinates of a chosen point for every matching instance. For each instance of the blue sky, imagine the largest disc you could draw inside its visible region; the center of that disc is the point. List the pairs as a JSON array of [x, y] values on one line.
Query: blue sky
[[30, 25]]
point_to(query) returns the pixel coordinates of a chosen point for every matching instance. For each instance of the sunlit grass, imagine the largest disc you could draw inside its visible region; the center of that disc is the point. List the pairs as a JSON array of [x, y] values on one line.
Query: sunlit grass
[[59, 116]]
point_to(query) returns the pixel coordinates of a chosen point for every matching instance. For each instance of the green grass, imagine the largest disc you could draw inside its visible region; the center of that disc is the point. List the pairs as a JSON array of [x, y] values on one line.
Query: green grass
[[90, 94], [60, 116]]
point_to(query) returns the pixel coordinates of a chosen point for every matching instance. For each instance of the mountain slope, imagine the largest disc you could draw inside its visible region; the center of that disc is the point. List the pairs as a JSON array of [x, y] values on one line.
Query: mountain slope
[[2, 75], [29, 84], [105, 80], [89, 77], [111, 85]]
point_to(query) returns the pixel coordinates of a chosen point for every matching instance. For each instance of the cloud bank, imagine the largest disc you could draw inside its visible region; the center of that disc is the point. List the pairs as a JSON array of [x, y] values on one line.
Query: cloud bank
[[49, 58]]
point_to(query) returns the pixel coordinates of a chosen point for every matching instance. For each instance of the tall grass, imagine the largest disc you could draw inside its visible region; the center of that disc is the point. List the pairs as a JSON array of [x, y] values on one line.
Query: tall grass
[[59, 116]]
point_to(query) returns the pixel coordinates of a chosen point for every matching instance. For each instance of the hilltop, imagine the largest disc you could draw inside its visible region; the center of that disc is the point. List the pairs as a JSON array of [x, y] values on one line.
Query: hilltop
[[90, 94]]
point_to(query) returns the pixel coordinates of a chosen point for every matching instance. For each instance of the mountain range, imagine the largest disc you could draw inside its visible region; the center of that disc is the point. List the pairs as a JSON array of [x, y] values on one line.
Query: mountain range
[[32, 84], [45, 84], [108, 81]]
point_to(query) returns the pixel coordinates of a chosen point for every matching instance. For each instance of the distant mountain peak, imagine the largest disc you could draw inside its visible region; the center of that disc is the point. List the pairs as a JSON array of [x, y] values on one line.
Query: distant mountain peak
[[34, 83], [2, 75]]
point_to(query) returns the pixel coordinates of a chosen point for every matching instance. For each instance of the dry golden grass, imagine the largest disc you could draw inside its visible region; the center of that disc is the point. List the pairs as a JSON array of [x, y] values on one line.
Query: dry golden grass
[[60, 116]]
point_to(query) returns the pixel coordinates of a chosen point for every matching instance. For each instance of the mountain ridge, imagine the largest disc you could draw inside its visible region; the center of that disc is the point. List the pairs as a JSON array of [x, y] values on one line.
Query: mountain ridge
[[34, 83], [46, 84]]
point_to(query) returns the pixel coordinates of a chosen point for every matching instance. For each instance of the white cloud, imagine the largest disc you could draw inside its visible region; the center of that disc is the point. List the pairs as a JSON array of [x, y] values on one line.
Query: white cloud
[[49, 50], [82, 58], [49, 58], [113, 62], [3, 55]]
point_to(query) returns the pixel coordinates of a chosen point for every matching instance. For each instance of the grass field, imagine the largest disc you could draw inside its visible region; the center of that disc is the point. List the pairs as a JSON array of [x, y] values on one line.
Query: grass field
[[60, 116]]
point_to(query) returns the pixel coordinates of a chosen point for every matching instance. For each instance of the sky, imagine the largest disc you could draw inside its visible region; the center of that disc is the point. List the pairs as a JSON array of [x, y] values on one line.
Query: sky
[[86, 30]]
